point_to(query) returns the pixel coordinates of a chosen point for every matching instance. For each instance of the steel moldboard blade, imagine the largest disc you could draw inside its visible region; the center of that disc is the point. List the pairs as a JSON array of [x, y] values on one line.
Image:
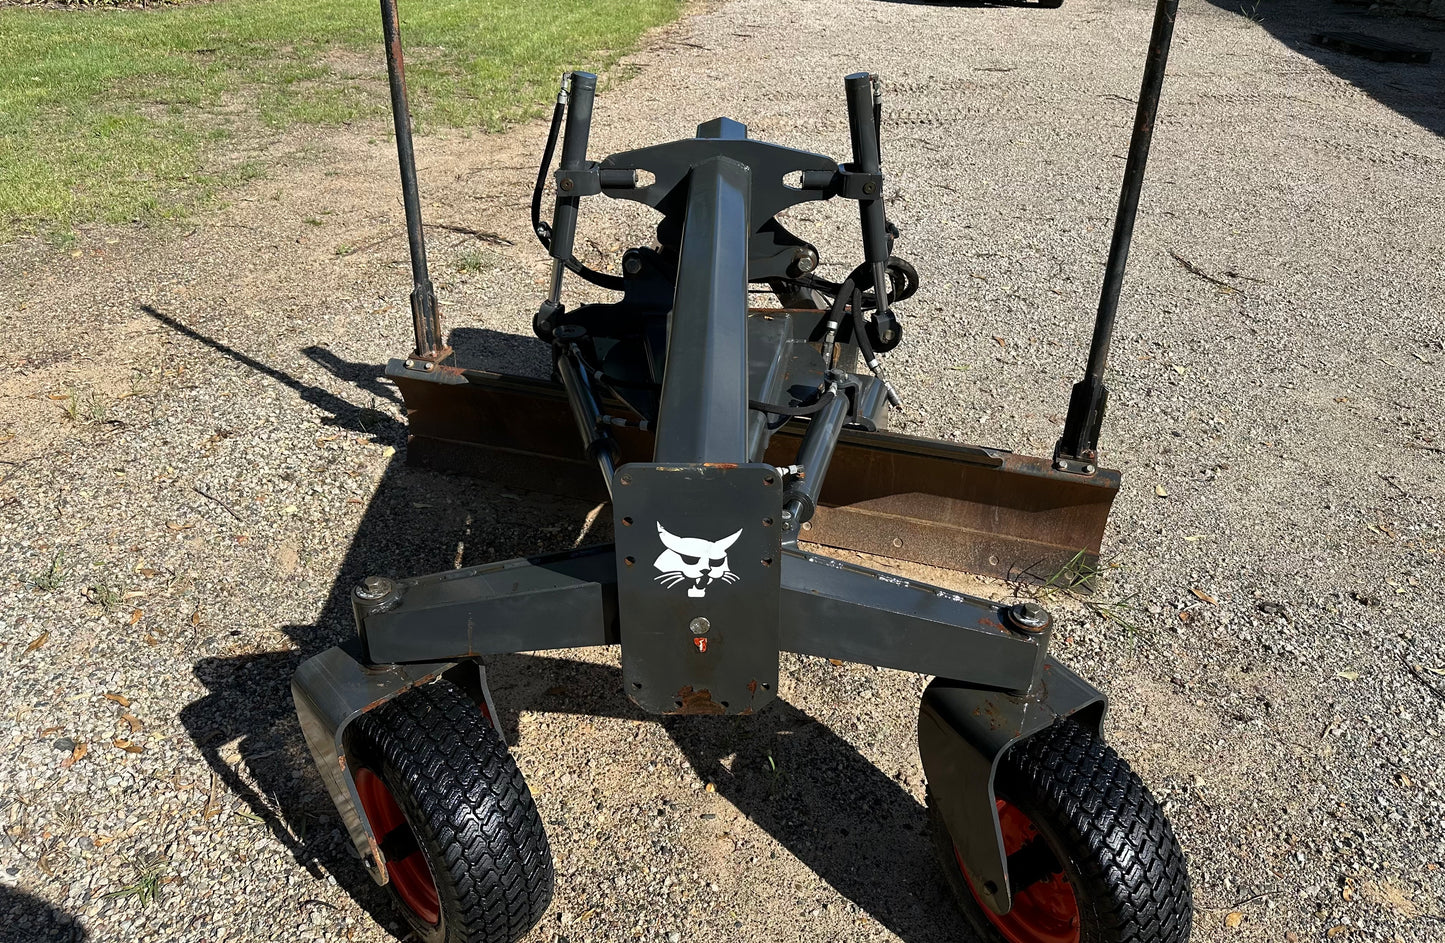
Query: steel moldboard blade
[[699, 563]]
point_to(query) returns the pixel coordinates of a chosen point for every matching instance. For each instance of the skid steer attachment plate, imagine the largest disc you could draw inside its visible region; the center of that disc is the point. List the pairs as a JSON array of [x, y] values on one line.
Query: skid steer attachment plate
[[699, 564], [937, 503]]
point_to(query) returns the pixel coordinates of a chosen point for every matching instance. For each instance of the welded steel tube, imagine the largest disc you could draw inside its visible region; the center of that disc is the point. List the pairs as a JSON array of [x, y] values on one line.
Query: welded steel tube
[[1144, 118], [815, 454], [585, 412], [575, 132], [426, 323]]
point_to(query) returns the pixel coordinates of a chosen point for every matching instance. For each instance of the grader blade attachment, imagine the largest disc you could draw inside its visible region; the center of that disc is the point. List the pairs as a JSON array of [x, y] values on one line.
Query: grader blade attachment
[[940, 504]]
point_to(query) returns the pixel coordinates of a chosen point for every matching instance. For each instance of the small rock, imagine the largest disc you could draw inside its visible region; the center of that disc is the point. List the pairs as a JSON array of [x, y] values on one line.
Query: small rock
[[64, 745]]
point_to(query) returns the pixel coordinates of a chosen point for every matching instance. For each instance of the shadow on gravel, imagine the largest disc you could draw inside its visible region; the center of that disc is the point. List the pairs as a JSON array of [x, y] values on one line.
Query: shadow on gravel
[[27, 919], [345, 415], [803, 784], [417, 522], [841, 816], [1416, 91]]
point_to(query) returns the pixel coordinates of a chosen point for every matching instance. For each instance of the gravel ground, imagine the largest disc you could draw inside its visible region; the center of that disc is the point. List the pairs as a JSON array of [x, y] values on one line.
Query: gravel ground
[[199, 459]]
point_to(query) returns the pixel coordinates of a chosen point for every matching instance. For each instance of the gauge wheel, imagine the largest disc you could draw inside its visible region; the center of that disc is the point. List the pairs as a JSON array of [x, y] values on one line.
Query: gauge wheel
[[467, 859], [1091, 857]]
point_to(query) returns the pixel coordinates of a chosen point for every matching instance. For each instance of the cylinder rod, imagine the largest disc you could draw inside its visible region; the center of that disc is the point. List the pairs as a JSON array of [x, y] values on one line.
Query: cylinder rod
[[1078, 446], [426, 322]]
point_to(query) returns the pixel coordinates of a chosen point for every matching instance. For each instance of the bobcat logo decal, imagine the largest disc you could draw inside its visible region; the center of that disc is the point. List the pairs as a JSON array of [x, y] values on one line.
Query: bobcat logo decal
[[694, 561]]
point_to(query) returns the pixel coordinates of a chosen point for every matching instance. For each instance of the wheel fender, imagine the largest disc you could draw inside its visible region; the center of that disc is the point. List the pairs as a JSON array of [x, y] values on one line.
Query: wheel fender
[[962, 734], [331, 690]]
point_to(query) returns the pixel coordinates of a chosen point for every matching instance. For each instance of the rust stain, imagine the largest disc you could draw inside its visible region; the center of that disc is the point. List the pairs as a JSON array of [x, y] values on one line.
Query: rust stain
[[753, 686], [697, 702], [719, 464]]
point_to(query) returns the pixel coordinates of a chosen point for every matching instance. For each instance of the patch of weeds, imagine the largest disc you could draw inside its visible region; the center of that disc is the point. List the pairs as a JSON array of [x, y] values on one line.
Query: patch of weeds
[[1081, 581], [89, 408], [345, 249], [1079, 575], [104, 595], [250, 170], [71, 407], [777, 778], [149, 876], [312, 221], [97, 410], [52, 577], [470, 263]]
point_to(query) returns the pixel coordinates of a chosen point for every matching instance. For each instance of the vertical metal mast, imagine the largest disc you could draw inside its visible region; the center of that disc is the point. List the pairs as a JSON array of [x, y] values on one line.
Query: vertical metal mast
[[1078, 448], [425, 320]]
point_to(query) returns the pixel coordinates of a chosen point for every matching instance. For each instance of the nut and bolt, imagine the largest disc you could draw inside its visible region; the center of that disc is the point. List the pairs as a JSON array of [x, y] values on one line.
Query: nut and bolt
[[870, 187], [699, 626], [631, 264], [564, 184], [373, 588], [1029, 616]]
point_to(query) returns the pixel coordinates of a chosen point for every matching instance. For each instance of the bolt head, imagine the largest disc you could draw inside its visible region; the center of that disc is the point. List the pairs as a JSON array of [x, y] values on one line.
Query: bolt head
[[699, 626], [870, 187], [373, 588], [565, 184], [1029, 616]]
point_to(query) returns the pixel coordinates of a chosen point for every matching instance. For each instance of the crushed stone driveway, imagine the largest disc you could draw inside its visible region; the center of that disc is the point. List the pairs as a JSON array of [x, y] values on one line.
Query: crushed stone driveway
[[198, 457]]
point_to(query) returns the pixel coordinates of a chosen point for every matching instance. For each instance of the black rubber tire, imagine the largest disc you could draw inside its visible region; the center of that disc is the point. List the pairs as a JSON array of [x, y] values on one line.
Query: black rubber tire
[[1117, 849], [469, 809], [1051, 4]]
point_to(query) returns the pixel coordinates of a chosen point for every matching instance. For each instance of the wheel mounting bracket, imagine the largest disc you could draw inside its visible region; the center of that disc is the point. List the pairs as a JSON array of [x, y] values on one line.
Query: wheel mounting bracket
[[962, 734], [331, 691]]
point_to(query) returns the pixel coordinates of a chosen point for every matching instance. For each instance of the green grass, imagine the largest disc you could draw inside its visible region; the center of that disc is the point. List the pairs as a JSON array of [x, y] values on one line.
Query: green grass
[[146, 890], [115, 115], [51, 578]]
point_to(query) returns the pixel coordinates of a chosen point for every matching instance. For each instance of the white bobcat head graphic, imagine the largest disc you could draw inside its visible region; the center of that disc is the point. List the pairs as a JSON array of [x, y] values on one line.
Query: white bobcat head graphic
[[694, 561]]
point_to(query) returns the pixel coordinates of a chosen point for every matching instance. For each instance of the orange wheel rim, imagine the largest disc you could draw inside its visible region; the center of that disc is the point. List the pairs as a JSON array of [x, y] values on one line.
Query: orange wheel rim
[[1046, 911], [409, 873]]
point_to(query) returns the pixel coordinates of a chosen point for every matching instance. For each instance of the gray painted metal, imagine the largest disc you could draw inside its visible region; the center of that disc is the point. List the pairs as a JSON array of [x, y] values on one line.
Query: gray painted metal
[[962, 733], [839, 610], [565, 600], [331, 690], [704, 410], [698, 542]]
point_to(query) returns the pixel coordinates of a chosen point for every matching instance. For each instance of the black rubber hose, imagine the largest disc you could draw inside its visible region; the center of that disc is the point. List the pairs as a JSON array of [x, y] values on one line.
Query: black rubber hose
[[544, 231], [871, 359], [901, 289], [794, 411]]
